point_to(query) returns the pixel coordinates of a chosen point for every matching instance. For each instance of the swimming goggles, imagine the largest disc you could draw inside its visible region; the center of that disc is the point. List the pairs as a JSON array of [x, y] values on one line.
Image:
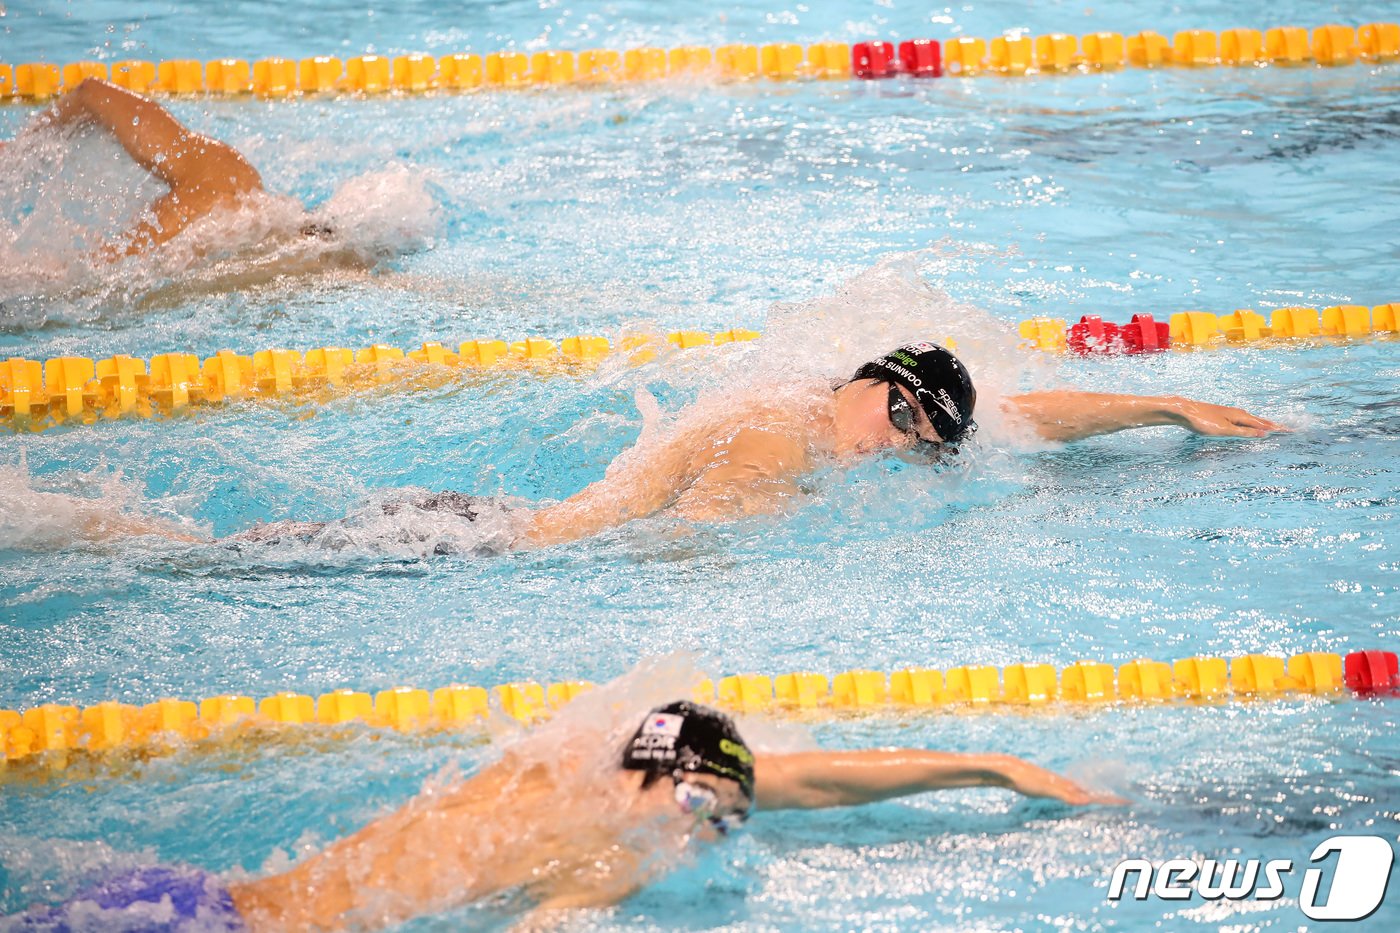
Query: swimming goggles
[[703, 802], [902, 420]]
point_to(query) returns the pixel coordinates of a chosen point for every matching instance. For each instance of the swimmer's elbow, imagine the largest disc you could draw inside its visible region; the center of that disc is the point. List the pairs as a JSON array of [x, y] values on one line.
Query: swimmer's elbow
[[1041, 412]]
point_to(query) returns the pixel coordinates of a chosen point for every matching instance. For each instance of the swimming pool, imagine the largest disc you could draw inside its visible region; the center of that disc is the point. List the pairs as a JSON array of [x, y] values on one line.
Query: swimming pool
[[808, 211]]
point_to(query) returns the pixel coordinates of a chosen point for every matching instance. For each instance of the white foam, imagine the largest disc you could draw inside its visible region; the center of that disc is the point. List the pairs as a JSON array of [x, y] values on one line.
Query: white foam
[[64, 194], [405, 532], [385, 213], [59, 510]]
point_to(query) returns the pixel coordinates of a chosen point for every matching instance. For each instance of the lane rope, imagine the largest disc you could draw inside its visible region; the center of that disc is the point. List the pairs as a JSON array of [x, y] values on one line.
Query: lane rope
[[50, 731], [1013, 54], [37, 395], [1196, 329], [76, 389]]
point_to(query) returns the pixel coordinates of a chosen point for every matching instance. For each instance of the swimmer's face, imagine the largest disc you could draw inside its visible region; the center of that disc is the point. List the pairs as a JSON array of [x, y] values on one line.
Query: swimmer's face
[[718, 804], [702, 805], [870, 417]]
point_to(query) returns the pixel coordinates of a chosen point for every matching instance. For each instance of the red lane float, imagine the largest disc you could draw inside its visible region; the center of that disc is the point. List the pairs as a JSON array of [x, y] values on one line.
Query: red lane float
[[872, 60], [921, 58], [1372, 671]]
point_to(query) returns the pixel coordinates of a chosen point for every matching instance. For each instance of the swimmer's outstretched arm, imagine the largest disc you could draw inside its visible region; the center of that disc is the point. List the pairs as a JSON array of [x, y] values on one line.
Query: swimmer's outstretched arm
[[201, 172], [1070, 416], [813, 780]]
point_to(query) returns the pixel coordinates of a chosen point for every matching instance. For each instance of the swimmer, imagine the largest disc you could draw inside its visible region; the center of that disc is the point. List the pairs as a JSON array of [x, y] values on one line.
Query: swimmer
[[748, 458], [591, 837], [203, 174]]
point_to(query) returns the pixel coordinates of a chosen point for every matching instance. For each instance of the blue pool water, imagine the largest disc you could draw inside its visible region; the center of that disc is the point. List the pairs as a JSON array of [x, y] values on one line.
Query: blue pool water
[[838, 218]]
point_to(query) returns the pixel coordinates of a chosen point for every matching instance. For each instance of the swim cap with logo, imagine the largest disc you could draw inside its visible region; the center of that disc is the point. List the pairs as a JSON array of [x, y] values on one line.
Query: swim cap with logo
[[938, 381], [685, 736]]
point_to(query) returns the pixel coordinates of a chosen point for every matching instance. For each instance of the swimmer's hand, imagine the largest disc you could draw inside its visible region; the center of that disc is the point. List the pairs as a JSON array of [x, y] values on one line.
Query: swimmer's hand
[[1032, 781], [1218, 420]]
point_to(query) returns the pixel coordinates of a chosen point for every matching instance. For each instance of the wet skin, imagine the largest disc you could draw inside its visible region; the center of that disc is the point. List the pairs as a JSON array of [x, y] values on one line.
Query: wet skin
[[568, 840]]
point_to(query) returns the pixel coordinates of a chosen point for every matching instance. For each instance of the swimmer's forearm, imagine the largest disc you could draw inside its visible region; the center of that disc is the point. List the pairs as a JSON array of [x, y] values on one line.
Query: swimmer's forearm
[[1069, 416], [569, 521], [635, 491], [813, 780]]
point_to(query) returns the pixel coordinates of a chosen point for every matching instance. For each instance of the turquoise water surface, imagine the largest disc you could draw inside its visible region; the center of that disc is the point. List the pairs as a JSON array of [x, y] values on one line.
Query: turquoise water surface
[[839, 219]]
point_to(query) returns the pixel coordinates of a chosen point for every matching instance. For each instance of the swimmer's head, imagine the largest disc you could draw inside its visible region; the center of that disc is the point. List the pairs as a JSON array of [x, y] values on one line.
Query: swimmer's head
[[683, 739], [929, 377]]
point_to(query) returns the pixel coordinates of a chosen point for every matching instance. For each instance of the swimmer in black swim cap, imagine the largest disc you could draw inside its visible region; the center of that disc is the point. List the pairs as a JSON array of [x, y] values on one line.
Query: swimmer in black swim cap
[[748, 454], [574, 828], [938, 383], [682, 740]]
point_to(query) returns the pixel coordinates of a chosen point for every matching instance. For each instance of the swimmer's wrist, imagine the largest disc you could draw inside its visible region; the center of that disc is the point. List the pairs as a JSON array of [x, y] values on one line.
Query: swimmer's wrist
[[1171, 410], [1002, 770], [1149, 411]]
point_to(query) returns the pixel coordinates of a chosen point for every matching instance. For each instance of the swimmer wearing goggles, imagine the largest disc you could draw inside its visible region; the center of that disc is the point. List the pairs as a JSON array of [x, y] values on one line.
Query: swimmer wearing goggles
[[925, 379], [748, 456], [685, 742], [427, 857]]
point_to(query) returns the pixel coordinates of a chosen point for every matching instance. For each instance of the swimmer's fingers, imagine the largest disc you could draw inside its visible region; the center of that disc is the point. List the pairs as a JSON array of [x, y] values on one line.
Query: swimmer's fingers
[[1224, 421], [1033, 781]]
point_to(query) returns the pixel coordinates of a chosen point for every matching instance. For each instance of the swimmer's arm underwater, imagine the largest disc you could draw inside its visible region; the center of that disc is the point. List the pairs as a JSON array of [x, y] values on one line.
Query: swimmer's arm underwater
[[814, 780], [622, 495], [1071, 416]]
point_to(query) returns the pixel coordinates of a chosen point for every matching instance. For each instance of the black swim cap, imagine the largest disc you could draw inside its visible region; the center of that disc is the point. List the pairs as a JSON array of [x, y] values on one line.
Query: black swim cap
[[938, 380], [685, 736]]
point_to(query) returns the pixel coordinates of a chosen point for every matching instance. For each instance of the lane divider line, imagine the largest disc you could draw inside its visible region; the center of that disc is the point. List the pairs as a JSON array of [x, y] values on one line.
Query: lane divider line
[[37, 395], [1197, 329], [1014, 54], [80, 390], [50, 731]]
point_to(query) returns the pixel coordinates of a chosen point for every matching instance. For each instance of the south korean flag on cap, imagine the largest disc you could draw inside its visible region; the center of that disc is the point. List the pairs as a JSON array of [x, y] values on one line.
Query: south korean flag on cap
[[663, 724]]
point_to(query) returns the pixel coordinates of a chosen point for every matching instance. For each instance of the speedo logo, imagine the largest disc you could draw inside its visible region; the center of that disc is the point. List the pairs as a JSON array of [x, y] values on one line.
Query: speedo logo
[[944, 401]]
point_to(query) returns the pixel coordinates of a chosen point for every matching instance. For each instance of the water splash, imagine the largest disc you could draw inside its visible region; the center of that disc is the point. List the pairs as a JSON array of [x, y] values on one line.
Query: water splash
[[805, 347], [59, 510], [895, 301], [395, 524], [65, 195], [552, 814], [385, 213]]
